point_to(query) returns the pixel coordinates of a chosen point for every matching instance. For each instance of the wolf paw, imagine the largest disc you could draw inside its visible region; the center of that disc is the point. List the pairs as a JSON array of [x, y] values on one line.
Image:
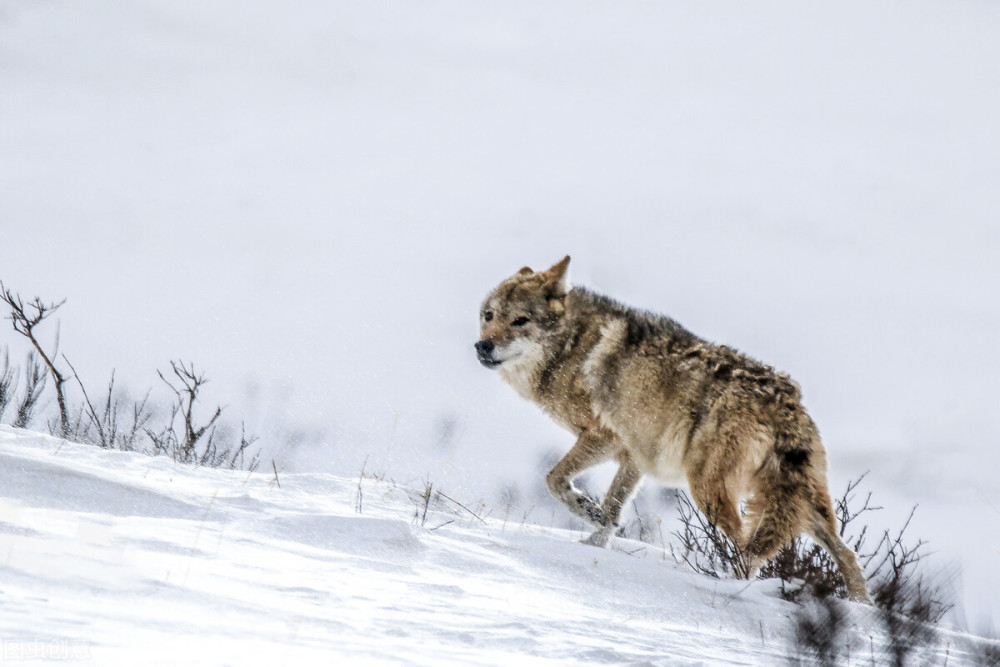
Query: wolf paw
[[599, 538]]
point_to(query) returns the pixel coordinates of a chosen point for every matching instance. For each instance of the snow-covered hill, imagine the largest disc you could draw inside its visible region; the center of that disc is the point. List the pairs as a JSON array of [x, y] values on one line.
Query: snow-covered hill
[[119, 558]]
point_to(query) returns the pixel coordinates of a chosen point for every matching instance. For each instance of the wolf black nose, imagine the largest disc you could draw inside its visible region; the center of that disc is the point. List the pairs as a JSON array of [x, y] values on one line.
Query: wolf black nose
[[485, 347]]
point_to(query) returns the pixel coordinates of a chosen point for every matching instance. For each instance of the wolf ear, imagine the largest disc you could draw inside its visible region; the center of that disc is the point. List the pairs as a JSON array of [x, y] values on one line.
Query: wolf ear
[[557, 278], [526, 271]]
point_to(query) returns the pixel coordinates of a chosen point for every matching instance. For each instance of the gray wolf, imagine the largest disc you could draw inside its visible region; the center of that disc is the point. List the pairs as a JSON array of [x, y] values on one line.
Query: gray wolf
[[639, 389]]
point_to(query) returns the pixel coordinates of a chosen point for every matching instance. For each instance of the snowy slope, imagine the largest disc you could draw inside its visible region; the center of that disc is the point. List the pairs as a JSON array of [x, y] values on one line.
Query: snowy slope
[[124, 559]]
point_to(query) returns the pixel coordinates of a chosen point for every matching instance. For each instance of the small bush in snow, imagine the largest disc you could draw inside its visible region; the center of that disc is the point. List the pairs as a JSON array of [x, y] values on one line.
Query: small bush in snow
[[8, 382], [114, 421], [34, 385], [804, 568], [988, 653], [706, 548], [25, 317], [820, 626]]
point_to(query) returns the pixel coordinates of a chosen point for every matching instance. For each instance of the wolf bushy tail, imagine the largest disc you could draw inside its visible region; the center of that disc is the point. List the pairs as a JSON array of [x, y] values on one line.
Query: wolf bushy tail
[[783, 498], [792, 481]]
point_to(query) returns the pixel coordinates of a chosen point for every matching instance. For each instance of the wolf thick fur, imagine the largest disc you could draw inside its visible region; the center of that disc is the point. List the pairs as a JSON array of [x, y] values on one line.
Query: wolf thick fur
[[640, 389]]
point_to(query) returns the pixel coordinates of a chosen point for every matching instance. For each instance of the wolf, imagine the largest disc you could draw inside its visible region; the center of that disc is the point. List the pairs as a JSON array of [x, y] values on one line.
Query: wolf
[[640, 389]]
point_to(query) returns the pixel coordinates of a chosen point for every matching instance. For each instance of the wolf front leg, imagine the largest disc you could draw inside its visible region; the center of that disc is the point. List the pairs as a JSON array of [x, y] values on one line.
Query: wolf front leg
[[590, 449], [622, 487]]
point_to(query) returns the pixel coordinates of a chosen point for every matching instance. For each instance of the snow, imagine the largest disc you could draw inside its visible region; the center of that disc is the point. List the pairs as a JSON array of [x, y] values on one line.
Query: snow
[[121, 558], [309, 200]]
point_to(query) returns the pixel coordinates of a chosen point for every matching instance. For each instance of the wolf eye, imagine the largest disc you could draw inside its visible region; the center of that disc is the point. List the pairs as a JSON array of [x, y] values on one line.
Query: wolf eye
[[520, 322], [488, 315]]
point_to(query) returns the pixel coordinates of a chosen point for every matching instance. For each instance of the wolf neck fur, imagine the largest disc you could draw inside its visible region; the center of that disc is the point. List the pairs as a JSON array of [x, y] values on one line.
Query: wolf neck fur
[[523, 371]]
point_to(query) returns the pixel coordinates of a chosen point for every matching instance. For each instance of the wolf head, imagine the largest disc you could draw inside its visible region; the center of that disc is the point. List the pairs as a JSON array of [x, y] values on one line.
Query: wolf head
[[521, 315]]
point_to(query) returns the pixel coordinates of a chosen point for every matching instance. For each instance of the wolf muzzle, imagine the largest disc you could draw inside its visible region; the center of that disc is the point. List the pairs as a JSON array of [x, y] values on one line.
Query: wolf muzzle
[[485, 350]]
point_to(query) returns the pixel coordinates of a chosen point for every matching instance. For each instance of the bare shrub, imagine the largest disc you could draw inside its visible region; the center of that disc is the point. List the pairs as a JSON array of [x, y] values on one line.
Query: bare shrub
[[435, 500], [8, 382], [140, 416], [820, 625], [222, 450], [425, 503], [907, 610], [706, 548], [116, 421], [639, 528], [186, 384], [186, 439], [805, 568], [909, 605], [34, 385], [25, 317], [988, 652], [103, 425], [239, 452]]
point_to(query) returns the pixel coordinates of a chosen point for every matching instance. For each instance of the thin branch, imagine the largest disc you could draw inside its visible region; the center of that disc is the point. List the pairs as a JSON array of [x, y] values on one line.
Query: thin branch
[[91, 412], [446, 497]]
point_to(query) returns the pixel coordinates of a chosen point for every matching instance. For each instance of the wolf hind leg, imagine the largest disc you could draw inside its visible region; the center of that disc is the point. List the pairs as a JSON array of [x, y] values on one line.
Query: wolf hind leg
[[622, 487], [774, 530], [586, 453], [778, 512], [824, 530], [715, 502], [781, 506], [709, 474], [795, 505]]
